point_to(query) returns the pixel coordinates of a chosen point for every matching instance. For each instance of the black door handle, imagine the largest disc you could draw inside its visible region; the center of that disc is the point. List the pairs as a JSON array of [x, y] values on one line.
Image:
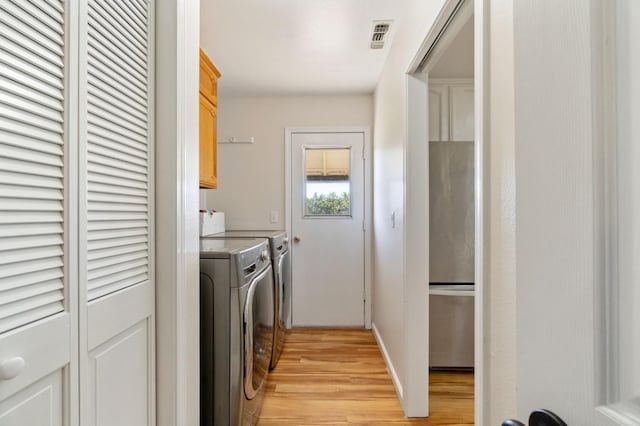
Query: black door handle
[[538, 418]]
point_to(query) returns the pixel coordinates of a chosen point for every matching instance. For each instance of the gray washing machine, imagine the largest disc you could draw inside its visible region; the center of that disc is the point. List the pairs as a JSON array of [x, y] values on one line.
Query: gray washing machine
[[281, 262], [236, 329]]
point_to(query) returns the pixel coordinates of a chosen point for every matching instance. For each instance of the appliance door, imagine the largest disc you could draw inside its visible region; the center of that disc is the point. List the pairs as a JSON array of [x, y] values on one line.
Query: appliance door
[[258, 331], [451, 212], [207, 350], [451, 326], [284, 284]]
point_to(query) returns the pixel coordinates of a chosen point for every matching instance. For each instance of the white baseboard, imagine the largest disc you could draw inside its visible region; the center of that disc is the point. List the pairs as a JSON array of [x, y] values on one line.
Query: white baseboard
[[387, 360]]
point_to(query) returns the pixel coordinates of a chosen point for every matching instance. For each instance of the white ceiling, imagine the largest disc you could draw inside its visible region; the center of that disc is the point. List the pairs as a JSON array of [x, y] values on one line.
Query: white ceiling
[[266, 47], [457, 60]]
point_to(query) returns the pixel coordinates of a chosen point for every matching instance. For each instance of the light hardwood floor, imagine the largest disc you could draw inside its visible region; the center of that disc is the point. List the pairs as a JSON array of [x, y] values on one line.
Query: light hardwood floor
[[338, 377]]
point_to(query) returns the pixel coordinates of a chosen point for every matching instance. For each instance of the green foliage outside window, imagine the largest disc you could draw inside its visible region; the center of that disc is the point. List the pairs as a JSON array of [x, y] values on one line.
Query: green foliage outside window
[[329, 204]]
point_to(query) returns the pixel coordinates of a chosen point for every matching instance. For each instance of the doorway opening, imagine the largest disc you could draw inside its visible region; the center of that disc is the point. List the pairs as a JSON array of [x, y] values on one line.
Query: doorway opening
[[443, 176]]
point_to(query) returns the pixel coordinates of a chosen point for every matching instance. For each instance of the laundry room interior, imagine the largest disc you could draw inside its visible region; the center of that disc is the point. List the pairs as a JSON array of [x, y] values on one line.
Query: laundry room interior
[[320, 212], [295, 164]]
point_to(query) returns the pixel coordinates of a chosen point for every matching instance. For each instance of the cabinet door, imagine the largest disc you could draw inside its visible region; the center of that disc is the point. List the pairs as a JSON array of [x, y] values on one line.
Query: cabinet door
[[208, 146], [438, 113], [38, 313], [461, 107]]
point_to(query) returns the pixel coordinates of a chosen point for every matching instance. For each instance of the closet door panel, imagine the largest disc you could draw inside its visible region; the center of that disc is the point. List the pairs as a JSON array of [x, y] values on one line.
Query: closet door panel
[[117, 367], [38, 283]]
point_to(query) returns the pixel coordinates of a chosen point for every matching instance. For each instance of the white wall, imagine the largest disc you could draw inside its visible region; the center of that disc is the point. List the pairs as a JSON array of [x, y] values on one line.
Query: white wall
[[499, 345], [251, 177], [390, 102], [555, 238]]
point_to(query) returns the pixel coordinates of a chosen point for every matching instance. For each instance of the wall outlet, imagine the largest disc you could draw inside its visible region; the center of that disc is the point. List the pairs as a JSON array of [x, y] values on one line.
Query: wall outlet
[[274, 216]]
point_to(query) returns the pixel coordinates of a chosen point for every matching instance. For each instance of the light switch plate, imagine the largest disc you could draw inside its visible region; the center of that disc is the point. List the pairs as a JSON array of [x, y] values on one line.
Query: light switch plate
[[274, 216]]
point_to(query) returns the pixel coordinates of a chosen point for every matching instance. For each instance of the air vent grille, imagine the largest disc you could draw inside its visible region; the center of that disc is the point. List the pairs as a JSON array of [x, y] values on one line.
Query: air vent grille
[[379, 30]]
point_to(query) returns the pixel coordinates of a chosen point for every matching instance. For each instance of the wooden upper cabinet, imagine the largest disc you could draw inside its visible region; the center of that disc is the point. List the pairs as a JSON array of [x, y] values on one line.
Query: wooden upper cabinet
[[209, 75]]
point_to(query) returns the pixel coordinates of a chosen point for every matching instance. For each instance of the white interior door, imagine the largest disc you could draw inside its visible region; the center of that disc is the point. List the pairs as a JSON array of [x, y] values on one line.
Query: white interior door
[[38, 285], [117, 367], [327, 226], [578, 210], [620, 339]]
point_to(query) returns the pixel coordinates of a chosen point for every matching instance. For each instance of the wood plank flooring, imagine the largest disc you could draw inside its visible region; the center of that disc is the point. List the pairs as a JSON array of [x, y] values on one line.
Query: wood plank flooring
[[338, 377]]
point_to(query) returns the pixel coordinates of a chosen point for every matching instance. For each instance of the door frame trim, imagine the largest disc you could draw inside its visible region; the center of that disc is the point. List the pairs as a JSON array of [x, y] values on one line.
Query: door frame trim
[[365, 130], [176, 212]]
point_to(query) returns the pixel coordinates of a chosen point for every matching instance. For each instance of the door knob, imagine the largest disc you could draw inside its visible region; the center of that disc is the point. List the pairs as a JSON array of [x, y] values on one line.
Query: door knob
[[10, 368], [296, 239]]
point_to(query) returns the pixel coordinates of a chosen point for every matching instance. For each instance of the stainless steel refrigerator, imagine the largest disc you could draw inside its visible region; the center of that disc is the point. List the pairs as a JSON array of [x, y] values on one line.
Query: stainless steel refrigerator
[[451, 254]]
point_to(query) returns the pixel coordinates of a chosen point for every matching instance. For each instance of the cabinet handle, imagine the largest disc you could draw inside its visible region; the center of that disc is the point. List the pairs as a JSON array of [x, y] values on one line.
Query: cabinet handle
[[10, 368]]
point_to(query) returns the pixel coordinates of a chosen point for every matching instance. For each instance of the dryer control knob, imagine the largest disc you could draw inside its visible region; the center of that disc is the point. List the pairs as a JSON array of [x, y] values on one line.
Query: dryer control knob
[[264, 255]]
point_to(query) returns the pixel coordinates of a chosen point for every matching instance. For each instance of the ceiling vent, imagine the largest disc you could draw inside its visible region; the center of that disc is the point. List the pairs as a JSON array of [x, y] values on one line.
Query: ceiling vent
[[379, 30]]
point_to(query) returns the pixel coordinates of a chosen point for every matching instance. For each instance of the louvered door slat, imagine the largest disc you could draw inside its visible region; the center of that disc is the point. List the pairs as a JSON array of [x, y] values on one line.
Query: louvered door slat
[[119, 87], [139, 10], [117, 190], [112, 284], [111, 251], [16, 167], [104, 175], [48, 41], [117, 147], [33, 310], [120, 109], [119, 259], [118, 233], [31, 92], [117, 31], [31, 279], [121, 164], [13, 155], [130, 23], [99, 50], [29, 193], [108, 150], [24, 64], [25, 255], [115, 242], [23, 242], [50, 7], [108, 114], [105, 137], [36, 20], [119, 198], [139, 21], [41, 47], [27, 292], [29, 216], [23, 105], [114, 129], [17, 269], [116, 97], [32, 229], [31, 161], [121, 225], [43, 15]]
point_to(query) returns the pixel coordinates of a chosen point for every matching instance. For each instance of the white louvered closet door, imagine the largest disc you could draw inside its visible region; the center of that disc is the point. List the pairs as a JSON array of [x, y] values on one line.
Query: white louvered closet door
[[38, 255], [117, 367]]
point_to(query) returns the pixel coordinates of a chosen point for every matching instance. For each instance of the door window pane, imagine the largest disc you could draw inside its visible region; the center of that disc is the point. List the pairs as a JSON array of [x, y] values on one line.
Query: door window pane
[[327, 182]]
